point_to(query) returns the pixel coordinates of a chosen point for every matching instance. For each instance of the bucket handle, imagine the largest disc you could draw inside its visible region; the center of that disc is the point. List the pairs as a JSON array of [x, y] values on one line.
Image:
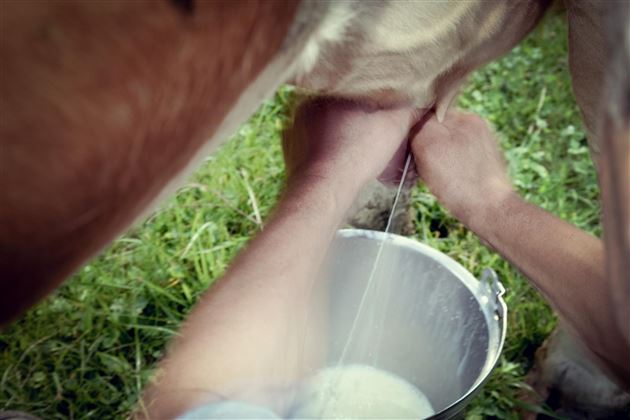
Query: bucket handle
[[490, 279]]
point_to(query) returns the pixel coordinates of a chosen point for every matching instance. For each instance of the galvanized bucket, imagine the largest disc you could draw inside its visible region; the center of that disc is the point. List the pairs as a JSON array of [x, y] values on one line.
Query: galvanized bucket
[[425, 318]]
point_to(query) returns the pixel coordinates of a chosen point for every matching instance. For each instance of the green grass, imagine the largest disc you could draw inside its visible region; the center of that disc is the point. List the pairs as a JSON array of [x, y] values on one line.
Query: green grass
[[88, 350]]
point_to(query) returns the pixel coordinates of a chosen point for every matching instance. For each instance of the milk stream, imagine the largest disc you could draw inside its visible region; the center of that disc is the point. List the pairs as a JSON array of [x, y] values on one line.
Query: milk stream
[[377, 321], [375, 266]]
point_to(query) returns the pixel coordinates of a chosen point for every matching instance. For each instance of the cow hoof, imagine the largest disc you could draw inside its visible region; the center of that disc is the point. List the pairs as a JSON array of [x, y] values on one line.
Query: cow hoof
[[568, 382]]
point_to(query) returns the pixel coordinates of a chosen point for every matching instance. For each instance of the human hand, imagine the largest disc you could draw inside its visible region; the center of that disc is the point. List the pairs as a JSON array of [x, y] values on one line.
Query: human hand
[[461, 163], [344, 142]]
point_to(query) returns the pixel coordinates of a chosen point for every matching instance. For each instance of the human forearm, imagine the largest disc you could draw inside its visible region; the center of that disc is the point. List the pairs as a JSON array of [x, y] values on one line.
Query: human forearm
[[247, 328], [565, 263]]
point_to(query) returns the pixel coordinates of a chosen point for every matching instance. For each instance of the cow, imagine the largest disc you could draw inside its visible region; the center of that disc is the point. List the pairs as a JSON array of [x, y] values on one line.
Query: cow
[[107, 105]]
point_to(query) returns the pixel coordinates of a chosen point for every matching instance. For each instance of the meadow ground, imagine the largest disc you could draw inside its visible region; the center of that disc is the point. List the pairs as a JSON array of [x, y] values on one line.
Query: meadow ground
[[87, 351]]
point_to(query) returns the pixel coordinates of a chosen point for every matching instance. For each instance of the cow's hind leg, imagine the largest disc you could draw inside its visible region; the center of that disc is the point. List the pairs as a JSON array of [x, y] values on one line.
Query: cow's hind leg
[[565, 372]]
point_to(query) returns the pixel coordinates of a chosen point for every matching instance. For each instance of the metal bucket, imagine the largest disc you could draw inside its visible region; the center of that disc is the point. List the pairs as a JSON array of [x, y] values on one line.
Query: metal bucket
[[437, 326]]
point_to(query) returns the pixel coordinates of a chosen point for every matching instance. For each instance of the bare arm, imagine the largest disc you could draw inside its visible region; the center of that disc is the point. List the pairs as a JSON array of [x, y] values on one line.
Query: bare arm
[[244, 337], [250, 328], [567, 265], [462, 165]]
